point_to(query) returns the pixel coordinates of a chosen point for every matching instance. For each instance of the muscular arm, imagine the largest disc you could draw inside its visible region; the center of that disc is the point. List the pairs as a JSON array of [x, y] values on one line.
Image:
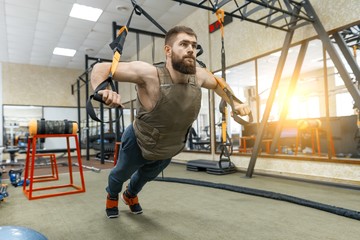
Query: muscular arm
[[207, 80], [134, 72]]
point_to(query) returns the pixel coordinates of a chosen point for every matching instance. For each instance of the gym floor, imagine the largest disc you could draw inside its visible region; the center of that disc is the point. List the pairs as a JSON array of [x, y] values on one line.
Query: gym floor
[[181, 211]]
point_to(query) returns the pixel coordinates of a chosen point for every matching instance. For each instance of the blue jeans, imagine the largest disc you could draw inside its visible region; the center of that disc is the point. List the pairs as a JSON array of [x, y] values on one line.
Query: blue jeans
[[132, 165]]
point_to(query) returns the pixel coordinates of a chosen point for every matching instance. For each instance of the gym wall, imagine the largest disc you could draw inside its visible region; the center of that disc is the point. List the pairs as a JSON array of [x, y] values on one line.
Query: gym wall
[[46, 86], [1, 109], [245, 40], [37, 85]]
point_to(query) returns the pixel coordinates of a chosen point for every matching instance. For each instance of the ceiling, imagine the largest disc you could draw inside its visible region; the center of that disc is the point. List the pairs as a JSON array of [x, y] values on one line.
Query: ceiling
[[31, 29]]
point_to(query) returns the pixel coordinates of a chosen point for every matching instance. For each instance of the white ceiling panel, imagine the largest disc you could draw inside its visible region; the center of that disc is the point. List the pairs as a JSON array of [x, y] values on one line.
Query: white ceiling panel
[[15, 22], [31, 4], [109, 17], [92, 44], [56, 6], [52, 37], [42, 52], [75, 32], [113, 5], [21, 12], [30, 29], [102, 29], [21, 33], [99, 36], [82, 26], [51, 18], [67, 41], [95, 3]]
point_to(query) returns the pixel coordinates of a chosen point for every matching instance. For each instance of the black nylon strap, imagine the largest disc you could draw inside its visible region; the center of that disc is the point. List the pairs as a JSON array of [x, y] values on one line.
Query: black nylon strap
[[66, 126], [97, 97], [42, 126], [235, 116], [139, 11], [116, 46], [118, 43]]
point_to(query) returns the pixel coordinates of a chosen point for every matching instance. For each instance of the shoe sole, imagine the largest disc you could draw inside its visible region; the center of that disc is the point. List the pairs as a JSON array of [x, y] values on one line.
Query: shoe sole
[[136, 213], [112, 216]]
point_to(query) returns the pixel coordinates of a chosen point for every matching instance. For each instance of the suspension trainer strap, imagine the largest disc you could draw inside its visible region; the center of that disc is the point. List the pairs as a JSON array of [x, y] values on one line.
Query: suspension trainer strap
[[232, 99], [97, 97], [139, 10], [117, 47], [220, 14]]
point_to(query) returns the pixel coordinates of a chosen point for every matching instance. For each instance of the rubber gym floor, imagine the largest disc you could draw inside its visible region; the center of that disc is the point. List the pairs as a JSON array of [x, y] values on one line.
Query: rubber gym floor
[[182, 211]]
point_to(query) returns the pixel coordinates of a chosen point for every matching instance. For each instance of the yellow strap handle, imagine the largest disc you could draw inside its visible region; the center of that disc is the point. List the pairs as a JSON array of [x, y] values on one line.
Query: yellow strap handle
[[354, 50], [220, 14], [117, 56]]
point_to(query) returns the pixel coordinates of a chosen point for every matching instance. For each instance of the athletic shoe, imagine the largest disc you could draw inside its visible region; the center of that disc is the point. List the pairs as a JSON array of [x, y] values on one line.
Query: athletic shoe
[[132, 202], [112, 210]]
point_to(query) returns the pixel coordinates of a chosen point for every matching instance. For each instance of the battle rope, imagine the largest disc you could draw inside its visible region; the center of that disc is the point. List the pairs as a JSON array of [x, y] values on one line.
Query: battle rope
[[267, 194]]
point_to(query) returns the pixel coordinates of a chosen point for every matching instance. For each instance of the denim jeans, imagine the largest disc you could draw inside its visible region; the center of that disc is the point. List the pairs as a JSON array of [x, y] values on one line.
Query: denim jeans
[[131, 165]]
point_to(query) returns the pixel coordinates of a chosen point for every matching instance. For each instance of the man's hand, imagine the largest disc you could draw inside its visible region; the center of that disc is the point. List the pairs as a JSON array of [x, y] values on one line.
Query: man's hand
[[241, 109], [111, 98], [99, 74]]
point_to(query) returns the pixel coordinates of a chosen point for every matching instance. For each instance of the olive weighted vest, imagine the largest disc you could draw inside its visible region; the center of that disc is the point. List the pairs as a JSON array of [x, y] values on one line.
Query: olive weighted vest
[[162, 132]]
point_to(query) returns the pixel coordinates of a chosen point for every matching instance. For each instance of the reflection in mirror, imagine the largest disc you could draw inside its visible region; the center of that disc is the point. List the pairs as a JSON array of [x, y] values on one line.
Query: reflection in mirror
[[242, 80], [199, 134], [16, 123], [320, 115], [320, 118]]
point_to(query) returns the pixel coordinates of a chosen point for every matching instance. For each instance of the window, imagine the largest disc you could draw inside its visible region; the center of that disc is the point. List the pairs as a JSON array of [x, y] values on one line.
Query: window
[[344, 104]]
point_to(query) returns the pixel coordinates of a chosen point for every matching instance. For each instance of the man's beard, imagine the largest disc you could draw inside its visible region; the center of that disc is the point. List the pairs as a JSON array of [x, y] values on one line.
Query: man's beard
[[180, 64]]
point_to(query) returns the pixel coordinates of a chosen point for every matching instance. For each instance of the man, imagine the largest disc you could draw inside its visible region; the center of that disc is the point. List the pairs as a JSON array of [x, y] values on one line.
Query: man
[[169, 99]]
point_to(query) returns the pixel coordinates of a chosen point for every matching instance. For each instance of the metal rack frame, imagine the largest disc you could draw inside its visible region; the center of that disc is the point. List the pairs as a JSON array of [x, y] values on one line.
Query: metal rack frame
[[286, 15]]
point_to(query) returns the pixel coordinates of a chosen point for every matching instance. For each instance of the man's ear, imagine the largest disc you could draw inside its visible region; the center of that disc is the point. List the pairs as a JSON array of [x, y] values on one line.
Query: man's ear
[[167, 50]]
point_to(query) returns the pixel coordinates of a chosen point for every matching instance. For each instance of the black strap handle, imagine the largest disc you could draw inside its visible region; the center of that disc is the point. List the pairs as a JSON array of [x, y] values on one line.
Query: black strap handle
[[97, 97], [235, 115]]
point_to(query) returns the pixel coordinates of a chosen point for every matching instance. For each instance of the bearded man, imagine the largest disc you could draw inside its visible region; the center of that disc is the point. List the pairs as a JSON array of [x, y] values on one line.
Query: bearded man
[[168, 102]]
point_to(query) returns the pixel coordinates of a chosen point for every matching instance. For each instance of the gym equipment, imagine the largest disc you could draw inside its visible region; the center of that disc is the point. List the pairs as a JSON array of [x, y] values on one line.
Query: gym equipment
[[312, 127], [1, 154], [15, 178], [211, 167], [2, 168], [288, 16], [12, 149], [267, 194], [117, 47], [224, 165], [3, 191], [107, 142], [52, 127], [30, 164], [94, 169], [20, 233]]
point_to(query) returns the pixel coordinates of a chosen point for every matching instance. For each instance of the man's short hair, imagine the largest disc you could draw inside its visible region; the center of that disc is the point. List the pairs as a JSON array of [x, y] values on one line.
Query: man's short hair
[[173, 32]]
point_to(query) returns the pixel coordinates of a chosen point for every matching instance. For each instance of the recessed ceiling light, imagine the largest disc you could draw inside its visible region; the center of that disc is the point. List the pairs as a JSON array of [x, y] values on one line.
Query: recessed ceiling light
[[85, 12], [122, 8], [64, 52], [88, 50]]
